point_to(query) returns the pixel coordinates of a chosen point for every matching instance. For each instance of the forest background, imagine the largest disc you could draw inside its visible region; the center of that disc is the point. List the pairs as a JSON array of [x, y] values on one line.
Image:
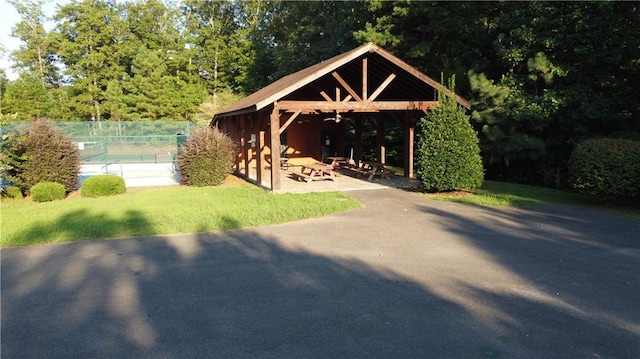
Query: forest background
[[541, 76]]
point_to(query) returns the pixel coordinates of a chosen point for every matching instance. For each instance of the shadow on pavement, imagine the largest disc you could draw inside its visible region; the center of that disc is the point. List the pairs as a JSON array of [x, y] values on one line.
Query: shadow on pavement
[[224, 295], [485, 283], [581, 269]]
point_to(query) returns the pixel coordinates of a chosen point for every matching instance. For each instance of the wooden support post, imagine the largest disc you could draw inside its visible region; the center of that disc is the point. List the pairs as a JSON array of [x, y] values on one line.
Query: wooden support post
[[262, 156], [409, 138], [357, 152], [237, 126], [274, 131], [382, 153], [247, 146]]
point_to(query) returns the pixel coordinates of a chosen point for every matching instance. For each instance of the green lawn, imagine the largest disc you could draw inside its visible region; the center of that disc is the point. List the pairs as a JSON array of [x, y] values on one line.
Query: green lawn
[[510, 194], [152, 211]]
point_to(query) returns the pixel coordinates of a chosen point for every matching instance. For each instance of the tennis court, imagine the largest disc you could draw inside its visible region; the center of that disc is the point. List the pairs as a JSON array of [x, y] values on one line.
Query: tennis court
[[134, 174], [143, 153]]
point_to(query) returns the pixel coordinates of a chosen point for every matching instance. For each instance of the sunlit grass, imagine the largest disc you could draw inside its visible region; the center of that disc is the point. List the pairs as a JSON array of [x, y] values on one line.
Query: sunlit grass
[[154, 211], [510, 194]]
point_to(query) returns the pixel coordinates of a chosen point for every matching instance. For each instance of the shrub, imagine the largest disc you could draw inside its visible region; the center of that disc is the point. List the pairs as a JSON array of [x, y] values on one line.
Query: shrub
[[102, 185], [447, 153], [47, 192], [10, 156], [12, 193], [206, 158], [46, 155], [606, 168]]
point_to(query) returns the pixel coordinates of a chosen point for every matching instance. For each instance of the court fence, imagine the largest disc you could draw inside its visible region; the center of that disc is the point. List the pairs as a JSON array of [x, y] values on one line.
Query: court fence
[[109, 142]]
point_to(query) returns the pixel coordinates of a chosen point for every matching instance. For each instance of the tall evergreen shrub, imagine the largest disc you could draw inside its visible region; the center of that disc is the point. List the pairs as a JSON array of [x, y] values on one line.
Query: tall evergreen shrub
[[10, 156], [206, 158], [447, 154], [47, 155]]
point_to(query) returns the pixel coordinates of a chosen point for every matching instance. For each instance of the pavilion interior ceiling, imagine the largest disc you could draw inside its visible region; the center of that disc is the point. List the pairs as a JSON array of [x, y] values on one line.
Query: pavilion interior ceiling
[[403, 87]]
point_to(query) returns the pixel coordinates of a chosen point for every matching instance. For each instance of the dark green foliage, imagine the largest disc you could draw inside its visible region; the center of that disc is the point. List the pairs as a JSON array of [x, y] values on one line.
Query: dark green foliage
[[12, 193], [47, 155], [10, 155], [28, 98], [447, 154], [47, 192], [206, 158], [103, 185], [607, 168]]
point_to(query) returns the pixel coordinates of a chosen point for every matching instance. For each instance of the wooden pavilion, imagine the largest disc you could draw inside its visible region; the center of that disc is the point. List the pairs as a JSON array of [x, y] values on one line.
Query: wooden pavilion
[[303, 114]]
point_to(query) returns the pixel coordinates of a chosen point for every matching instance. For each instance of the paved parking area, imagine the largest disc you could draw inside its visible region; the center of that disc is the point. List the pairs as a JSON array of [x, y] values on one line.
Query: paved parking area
[[402, 277]]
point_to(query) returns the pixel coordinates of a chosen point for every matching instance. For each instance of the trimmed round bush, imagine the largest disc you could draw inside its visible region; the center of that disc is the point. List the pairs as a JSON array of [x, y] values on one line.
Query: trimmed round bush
[[206, 158], [12, 193], [46, 155], [447, 151], [102, 185], [47, 192], [606, 168]]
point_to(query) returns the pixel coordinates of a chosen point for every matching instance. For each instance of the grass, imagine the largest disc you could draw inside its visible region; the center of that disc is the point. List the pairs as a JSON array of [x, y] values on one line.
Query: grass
[[156, 211], [510, 194]]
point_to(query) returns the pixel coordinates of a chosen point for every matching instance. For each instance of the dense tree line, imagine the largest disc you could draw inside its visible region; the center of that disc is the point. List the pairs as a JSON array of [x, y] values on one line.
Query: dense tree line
[[542, 76]]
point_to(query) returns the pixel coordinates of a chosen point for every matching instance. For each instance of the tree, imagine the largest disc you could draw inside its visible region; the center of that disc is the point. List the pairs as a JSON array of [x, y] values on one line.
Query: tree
[[115, 101], [152, 94], [88, 36], [210, 24], [36, 55], [28, 98], [434, 36], [297, 34], [448, 156], [512, 123], [563, 74], [149, 90]]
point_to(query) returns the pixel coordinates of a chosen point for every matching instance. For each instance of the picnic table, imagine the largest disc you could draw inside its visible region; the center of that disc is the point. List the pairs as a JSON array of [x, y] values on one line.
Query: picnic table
[[371, 169], [315, 171]]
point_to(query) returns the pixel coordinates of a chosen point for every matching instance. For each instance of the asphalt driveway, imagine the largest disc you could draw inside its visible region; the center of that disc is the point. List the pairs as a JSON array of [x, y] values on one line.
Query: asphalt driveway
[[403, 277]]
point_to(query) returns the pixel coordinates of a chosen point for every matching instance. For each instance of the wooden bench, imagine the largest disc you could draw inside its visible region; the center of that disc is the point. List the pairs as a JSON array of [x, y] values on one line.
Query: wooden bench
[[371, 169], [302, 176]]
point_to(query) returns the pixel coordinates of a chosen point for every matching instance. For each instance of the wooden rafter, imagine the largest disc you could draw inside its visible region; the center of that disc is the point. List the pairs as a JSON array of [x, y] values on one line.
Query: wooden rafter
[[325, 96], [365, 75], [346, 86], [381, 88], [291, 118]]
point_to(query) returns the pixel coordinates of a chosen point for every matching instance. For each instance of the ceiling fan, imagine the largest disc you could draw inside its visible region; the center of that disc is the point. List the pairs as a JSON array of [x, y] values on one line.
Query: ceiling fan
[[337, 118]]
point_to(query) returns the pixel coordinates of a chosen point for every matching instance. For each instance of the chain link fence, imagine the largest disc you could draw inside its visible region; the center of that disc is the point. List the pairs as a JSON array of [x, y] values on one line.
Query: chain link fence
[[107, 142]]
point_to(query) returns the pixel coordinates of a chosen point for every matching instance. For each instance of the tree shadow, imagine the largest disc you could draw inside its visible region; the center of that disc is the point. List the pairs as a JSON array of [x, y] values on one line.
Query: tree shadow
[[206, 295], [85, 225], [577, 269], [267, 294]]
